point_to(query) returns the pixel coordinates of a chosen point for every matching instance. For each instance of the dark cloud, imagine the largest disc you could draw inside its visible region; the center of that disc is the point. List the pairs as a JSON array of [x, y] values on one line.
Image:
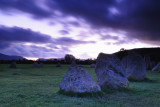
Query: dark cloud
[[4, 45], [94, 11], [123, 41], [118, 41], [105, 37], [17, 34], [28, 6], [74, 23], [144, 35], [142, 16], [65, 48], [63, 32], [139, 18], [40, 48], [11, 35], [66, 41], [28, 51], [35, 51]]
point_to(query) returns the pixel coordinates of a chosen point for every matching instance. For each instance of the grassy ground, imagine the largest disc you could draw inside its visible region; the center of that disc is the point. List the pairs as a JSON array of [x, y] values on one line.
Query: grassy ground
[[31, 87]]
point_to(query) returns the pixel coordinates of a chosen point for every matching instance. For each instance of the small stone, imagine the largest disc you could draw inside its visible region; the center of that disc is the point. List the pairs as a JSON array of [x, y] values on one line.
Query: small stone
[[35, 65], [13, 65], [93, 65], [58, 64]]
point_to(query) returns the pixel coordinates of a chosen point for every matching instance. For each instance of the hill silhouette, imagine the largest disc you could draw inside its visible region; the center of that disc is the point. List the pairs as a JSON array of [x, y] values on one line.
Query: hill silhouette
[[153, 53], [8, 57]]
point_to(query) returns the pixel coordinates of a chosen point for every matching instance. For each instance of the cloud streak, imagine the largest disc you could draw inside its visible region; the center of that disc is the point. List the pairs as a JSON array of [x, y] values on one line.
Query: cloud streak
[[41, 45], [27, 6], [140, 16], [139, 19], [69, 41], [106, 37], [17, 34]]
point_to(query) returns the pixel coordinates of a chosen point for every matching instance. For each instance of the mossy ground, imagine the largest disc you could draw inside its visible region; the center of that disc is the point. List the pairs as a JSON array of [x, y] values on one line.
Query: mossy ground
[[39, 87]]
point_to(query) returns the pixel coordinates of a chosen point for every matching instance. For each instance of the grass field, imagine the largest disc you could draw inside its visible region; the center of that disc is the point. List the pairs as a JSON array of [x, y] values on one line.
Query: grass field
[[37, 87]]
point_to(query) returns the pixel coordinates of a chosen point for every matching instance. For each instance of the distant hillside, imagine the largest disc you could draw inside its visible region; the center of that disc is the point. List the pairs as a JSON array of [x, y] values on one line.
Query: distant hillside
[[153, 53], [7, 57]]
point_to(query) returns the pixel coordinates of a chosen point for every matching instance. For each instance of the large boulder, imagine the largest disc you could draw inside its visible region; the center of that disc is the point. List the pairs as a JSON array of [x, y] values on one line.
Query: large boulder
[[110, 72], [78, 80], [157, 67], [124, 62], [13, 65], [134, 66]]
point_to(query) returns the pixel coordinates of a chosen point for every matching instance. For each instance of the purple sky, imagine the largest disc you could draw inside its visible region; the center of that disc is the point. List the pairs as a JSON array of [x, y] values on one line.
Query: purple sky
[[84, 28]]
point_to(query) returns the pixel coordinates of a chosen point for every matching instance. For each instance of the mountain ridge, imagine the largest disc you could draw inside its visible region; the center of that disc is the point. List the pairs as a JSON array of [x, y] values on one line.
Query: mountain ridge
[[10, 57], [153, 53]]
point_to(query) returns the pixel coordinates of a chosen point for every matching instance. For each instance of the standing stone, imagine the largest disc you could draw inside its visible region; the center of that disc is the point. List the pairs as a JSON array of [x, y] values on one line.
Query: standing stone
[[58, 64], [110, 72], [78, 80], [147, 61], [124, 62], [80, 65], [157, 67], [73, 64], [35, 65], [152, 65], [134, 66], [41, 65], [93, 65], [13, 65]]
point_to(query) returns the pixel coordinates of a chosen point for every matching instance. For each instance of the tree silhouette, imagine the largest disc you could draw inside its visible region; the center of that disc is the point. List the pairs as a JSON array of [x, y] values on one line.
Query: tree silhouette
[[69, 58]]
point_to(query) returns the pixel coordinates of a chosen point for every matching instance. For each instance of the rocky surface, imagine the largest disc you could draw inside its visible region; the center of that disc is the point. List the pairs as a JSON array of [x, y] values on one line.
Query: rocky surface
[[134, 66], [78, 80], [110, 72], [157, 67], [73, 64]]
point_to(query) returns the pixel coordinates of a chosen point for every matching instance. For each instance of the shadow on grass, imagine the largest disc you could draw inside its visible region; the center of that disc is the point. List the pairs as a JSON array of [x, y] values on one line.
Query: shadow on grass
[[99, 94], [85, 94], [144, 80], [15, 74], [126, 90]]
